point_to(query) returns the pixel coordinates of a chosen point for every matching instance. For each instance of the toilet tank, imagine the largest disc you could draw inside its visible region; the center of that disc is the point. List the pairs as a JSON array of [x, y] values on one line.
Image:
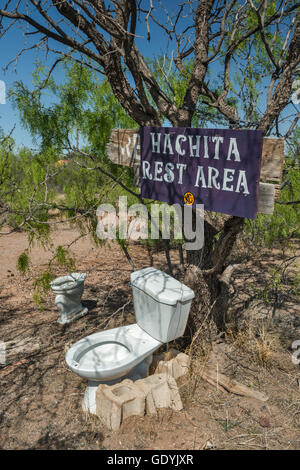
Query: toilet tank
[[161, 303]]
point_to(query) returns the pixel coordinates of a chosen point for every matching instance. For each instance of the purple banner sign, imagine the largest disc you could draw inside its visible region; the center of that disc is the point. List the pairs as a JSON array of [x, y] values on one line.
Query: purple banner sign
[[219, 168]]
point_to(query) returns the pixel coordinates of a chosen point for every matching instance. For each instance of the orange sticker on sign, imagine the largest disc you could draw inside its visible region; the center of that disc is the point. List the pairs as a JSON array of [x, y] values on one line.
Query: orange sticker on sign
[[189, 199]]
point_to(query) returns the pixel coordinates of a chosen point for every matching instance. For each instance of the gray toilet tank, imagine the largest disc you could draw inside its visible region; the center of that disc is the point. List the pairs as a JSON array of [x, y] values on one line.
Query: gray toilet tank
[[161, 303]]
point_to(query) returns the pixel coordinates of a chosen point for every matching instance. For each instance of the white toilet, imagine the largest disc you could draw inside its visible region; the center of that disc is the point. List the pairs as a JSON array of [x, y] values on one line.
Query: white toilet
[[161, 305]]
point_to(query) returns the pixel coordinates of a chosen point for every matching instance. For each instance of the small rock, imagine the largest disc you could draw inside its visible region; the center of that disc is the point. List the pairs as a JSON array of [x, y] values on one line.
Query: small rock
[[209, 445], [176, 367], [264, 422]]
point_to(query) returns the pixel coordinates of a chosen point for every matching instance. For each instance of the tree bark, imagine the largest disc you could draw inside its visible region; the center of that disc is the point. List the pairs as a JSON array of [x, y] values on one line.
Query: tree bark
[[207, 274]]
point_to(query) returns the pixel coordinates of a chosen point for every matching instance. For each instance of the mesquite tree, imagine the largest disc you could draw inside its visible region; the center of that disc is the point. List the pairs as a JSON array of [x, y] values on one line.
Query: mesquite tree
[[236, 60]]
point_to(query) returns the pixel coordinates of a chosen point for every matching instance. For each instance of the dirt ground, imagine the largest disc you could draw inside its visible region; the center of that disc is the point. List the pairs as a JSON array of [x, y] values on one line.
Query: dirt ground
[[41, 398]]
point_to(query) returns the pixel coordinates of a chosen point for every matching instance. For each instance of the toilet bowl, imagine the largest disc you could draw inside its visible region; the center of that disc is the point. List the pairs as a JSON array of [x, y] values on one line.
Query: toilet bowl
[[161, 305], [107, 356], [68, 290], [110, 354]]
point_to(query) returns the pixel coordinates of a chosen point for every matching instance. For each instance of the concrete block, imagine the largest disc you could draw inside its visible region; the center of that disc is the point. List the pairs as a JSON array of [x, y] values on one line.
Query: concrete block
[[163, 356], [176, 367], [161, 391], [117, 402]]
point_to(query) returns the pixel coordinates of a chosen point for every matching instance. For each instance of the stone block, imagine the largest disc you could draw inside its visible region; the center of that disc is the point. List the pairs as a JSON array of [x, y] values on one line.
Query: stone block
[[115, 403], [163, 356], [161, 391], [176, 367]]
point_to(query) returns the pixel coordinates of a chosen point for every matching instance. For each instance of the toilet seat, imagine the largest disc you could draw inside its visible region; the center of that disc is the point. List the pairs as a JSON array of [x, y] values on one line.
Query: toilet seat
[[110, 354]]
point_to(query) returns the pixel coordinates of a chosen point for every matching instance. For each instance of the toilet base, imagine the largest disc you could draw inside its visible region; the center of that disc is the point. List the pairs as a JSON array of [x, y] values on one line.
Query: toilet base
[[63, 319], [138, 372]]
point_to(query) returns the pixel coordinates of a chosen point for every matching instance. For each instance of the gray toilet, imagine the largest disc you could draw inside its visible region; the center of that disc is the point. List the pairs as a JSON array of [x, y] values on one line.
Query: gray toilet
[[68, 290]]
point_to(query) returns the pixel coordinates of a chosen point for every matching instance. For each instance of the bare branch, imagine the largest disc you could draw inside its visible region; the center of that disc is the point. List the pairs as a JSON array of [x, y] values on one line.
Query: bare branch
[[292, 127], [262, 31], [287, 202], [65, 39], [282, 93]]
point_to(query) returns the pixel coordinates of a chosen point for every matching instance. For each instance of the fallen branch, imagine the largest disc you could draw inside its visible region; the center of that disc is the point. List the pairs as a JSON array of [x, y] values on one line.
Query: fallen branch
[[10, 368], [107, 320], [223, 382]]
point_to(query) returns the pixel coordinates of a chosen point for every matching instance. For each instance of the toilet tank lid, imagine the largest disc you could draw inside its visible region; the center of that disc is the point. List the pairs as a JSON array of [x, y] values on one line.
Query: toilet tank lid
[[161, 286]]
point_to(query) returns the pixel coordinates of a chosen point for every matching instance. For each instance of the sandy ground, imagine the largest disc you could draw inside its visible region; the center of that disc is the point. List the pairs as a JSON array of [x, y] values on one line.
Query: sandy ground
[[41, 398], [13, 245]]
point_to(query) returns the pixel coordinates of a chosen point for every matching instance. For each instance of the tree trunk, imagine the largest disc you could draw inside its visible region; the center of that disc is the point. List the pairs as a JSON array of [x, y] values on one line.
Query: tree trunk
[[206, 273]]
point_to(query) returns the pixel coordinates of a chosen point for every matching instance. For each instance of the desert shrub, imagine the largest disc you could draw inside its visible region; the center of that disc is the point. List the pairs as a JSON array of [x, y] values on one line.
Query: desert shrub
[[41, 286], [23, 262], [284, 224]]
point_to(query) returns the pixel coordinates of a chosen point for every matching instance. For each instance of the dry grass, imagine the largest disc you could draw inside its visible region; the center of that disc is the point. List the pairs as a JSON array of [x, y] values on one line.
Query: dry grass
[[260, 344]]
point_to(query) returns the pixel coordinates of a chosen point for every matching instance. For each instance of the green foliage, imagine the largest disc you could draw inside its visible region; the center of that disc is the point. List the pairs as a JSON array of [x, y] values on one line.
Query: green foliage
[[174, 84], [271, 288], [21, 189], [277, 284], [61, 258], [284, 224], [82, 111], [171, 81], [41, 286], [64, 258], [23, 262]]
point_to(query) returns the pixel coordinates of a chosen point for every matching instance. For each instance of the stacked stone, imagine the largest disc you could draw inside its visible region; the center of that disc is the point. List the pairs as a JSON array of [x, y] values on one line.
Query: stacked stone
[[115, 403]]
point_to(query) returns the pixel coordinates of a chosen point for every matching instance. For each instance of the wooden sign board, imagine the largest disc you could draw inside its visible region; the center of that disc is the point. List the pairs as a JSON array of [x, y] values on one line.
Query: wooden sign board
[[123, 148]]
